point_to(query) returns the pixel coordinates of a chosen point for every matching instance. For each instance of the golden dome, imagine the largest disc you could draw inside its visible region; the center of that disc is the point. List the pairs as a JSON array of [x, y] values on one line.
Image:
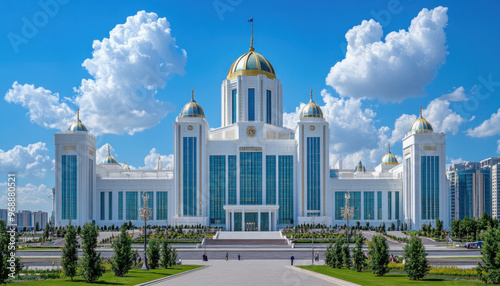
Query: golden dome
[[192, 109], [421, 125], [77, 125], [389, 158], [311, 110], [125, 166], [109, 160]]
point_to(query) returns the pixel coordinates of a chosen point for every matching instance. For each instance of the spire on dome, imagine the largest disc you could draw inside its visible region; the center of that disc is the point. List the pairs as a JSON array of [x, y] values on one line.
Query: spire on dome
[[108, 150], [251, 38], [192, 94], [78, 114], [311, 94], [389, 147], [420, 111]]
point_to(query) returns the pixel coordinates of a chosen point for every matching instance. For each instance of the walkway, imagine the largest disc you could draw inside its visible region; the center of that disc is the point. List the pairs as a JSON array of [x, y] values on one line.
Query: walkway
[[247, 272]]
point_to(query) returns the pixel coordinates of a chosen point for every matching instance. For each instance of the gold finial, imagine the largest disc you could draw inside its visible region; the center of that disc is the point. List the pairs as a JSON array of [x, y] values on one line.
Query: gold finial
[[78, 114], [311, 94], [192, 94], [108, 150], [420, 110], [251, 39]]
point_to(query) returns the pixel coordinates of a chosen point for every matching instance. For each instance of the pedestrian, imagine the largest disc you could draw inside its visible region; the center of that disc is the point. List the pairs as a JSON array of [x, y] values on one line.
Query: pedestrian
[[239, 256], [227, 256], [292, 258]]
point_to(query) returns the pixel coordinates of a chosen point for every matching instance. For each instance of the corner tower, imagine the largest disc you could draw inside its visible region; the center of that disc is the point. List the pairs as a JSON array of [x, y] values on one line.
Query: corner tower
[[251, 91], [425, 191]]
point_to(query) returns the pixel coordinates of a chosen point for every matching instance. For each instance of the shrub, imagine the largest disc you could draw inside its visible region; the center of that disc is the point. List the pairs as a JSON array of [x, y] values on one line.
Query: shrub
[[92, 268], [358, 256], [489, 270], [379, 254], [416, 265], [122, 259], [69, 257], [154, 253]]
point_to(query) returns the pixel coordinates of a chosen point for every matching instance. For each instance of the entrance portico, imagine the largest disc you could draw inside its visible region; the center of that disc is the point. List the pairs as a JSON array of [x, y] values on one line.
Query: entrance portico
[[251, 217]]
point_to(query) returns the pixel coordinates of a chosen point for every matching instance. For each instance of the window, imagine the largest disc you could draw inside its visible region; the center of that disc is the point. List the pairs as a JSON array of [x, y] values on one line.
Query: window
[[132, 211], [354, 203], [161, 205], [270, 180], [313, 175], [379, 205], [189, 176], [285, 189], [268, 105], [234, 106], [389, 205], [231, 182], [368, 205], [251, 104], [110, 206], [120, 205], [339, 204], [150, 202], [251, 178], [103, 207], [217, 189], [69, 190], [430, 187], [397, 204]]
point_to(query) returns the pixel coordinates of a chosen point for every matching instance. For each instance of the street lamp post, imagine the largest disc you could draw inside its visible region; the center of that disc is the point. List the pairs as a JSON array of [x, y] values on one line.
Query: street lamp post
[[347, 214], [313, 215], [146, 214]]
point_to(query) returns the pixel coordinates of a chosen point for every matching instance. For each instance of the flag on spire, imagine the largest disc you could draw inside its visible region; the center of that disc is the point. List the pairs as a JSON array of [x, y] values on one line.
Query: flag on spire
[[250, 20]]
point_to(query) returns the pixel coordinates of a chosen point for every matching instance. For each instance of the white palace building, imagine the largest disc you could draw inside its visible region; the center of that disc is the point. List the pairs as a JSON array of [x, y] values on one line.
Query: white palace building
[[252, 174]]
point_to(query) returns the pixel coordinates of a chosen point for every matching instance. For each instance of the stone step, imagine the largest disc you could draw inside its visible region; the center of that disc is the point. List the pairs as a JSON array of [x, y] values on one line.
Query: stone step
[[252, 235], [243, 242]]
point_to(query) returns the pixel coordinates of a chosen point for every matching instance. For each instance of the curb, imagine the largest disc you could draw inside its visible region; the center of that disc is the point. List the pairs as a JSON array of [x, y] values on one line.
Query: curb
[[152, 282], [327, 278]]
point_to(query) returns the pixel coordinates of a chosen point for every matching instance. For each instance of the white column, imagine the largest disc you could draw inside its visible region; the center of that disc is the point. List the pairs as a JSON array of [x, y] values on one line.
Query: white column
[[243, 220], [258, 220]]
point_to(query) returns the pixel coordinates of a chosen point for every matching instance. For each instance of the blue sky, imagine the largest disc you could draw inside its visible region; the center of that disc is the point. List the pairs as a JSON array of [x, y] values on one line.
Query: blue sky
[[450, 65]]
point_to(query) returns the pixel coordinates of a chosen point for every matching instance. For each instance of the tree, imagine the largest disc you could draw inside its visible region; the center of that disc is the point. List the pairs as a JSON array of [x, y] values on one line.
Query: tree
[[330, 258], [92, 268], [46, 232], [489, 270], [358, 256], [439, 227], [37, 226], [69, 257], [346, 255], [122, 259], [168, 254], [416, 265], [379, 253], [154, 253], [337, 251], [4, 253]]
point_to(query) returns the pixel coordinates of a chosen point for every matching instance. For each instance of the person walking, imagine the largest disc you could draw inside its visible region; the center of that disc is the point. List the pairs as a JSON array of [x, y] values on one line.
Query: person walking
[[227, 256], [291, 259], [239, 256]]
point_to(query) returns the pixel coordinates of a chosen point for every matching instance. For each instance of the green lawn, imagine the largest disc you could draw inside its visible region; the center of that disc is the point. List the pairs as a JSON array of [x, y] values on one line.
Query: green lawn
[[457, 257], [367, 278], [135, 276]]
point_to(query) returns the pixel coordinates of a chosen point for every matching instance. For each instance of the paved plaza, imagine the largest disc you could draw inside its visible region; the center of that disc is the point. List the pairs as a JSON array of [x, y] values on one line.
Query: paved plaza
[[251, 272]]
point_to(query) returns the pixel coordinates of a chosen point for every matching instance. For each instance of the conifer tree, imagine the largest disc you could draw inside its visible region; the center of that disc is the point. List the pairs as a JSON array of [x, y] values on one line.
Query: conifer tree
[[358, 256], [330, 258], [489, 270], [154, 253], [379, 254], [347, 256], [46, 232], [337, 250], [123, 258], [168, 254], [416, 265], [69, 257], [92, 268]]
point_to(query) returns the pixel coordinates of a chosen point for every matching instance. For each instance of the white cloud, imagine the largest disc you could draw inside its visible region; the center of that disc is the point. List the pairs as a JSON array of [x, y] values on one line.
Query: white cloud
[[457, 95], [442, 118], [489, 127], [498, 146], [394, 69], [31, 197], [456, 161], [127, 70], [44, 107], [151, 160], [30, 161]]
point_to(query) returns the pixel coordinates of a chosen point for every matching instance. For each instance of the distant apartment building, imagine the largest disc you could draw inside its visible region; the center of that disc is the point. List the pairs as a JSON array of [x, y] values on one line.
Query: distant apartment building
[[495, 191], [472, 191], [3, 215], [24, 219], [41, 218]]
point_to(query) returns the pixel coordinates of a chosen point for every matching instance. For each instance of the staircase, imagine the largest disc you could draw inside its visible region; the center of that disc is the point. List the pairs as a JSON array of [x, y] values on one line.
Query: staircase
[[249, 239]]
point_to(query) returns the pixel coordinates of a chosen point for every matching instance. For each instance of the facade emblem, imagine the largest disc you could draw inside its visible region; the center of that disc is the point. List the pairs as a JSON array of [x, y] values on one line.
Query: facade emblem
[[251, 131]]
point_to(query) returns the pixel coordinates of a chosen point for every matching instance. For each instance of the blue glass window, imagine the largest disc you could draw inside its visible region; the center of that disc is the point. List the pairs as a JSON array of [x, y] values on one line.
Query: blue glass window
[[355, 202], [110, 205], [103, 206], [231, 181], [269, 110], [264, 221], [430, 187], [270, 180], [237, 221], [339, 204], [161, 205], [251, 178], [313, 174], [150, 201], [397, 204], [120, 205], [217, 190], [379, 205], [389, 205], [132, 211], [251, 104], [234, 109], [69, 190], [369, 210], [189, 176], [285, 189]]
